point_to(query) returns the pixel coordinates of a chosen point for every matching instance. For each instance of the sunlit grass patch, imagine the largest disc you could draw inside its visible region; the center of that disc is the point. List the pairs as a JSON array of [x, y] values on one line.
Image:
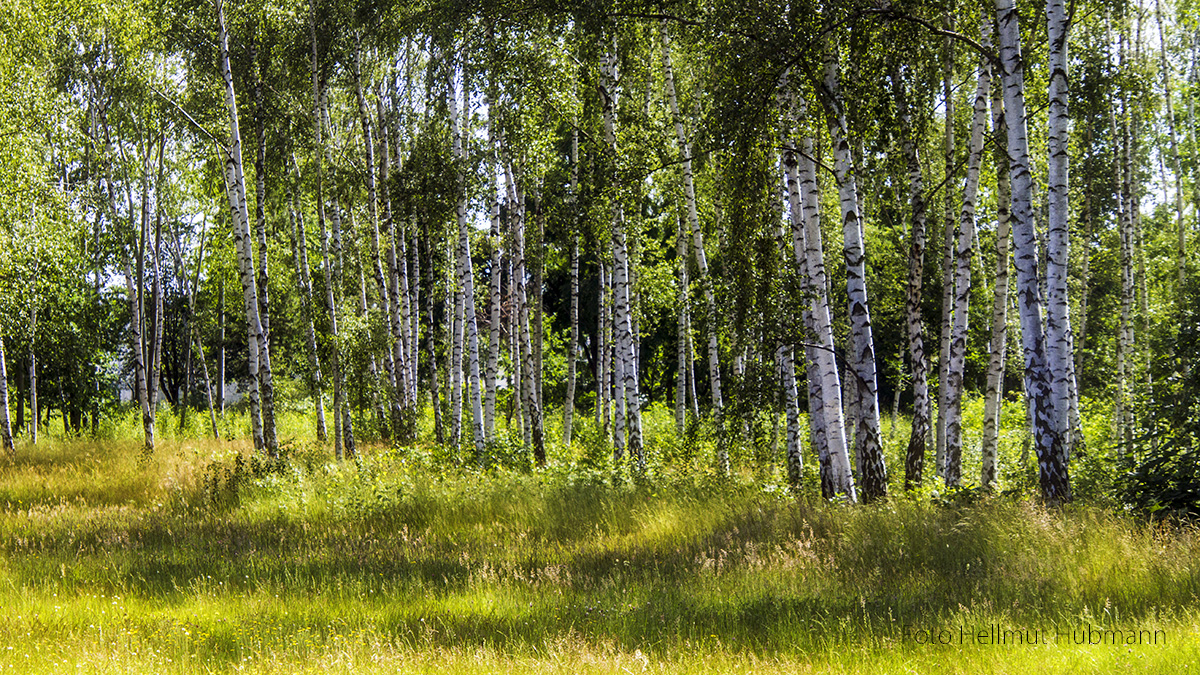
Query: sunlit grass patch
[[397, 563]]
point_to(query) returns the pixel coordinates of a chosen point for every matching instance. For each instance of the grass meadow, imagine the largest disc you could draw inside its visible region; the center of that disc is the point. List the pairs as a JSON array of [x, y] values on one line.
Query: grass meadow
[[204, 560]]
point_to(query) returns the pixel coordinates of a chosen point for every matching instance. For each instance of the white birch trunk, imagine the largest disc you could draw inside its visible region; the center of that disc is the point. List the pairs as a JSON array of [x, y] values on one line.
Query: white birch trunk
[[689, 187], [494, 296], [1055, 483], [681, 342], [1165, 66], [260, 360], [1125, 334], [948, 244], [6, 434], [914, 462], [999, 342], [573, 343], [604, 350], [962, 275], [1058, 241], [138, 347], [467, 271], [836, 477], [386, 297], [862, 358], [300, 260]]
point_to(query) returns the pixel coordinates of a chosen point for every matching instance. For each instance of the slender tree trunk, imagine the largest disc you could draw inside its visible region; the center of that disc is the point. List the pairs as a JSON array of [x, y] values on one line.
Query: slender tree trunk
[[466, 273], [1194, 84], [999, 343], [404, 392], [386, 296], [962, 276], [495, 300], [221, 347], [681, 344], [1058, 240], [836, 477], [573, 343], [300, 260], [867, 432], [260, 360], [1165, 65], [714, 354], [604, 349], [914, 463], [260, 189], [342, 436], [1055, 482], [155, 357], [948, 244], [6, 434], [137, 346]]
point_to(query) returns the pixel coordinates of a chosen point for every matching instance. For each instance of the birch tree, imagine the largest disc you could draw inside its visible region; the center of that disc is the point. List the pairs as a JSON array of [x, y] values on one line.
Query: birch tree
[[1058, 240], [6, 435], [1054, 479], [235, 187], [999, 337], [914, 463], [862, 348], [689, 188], [962, 275]]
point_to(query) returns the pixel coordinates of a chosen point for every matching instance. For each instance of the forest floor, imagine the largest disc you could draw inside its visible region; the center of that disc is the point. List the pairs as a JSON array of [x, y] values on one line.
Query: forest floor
[[197, 562]]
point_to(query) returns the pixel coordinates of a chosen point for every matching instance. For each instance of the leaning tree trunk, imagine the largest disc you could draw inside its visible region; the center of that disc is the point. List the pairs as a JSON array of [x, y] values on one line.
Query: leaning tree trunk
[[259, 358], [6, 435], [138, 347], [999, 344], [962, 274], [1054, 477], [914, 462], [867, 434], [836, 477]]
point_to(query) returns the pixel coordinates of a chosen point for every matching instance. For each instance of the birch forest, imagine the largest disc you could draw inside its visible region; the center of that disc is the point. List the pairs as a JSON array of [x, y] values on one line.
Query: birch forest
[[846, 249]]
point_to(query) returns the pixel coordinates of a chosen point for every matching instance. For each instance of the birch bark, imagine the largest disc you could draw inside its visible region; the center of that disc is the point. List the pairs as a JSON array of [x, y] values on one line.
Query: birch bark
[[999, 343], [962, 275], [862, 357], [1054, 479], [914, 463], [6, 435], [706, 284], [948, 244], [466, 269], [1058, 240], [1168, 99], [260, 359], [836, 477]]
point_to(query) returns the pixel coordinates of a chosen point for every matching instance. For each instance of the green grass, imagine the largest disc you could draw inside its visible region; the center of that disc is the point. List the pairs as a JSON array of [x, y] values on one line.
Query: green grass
[[409, 562]]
